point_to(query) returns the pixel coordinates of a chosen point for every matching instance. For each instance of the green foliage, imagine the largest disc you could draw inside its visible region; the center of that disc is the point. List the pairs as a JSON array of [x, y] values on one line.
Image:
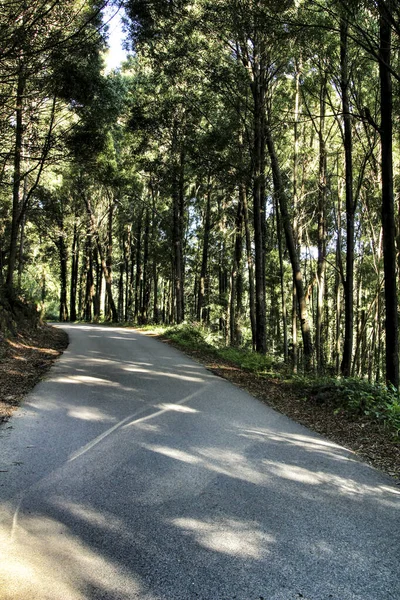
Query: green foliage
[[201, 339], [357, 397], [250, 361], [189, 336]]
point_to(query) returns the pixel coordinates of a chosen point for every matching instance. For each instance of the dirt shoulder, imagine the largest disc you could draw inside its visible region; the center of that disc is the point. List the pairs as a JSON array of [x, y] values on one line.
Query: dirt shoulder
[[24, 360], [371, 441]]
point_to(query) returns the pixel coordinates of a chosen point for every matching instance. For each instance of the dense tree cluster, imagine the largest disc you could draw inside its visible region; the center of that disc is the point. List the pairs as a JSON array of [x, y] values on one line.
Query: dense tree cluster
[[241, 172]]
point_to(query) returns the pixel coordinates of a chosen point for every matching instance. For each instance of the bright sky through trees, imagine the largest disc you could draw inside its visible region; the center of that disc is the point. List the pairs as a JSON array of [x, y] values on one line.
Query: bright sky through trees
[[116, 54]]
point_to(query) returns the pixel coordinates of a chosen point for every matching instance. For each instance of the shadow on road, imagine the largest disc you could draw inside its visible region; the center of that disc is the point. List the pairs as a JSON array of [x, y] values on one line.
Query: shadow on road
[[202, 495]]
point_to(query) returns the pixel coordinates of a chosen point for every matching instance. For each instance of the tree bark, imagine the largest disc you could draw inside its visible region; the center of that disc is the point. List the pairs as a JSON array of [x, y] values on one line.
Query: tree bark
[[388, 218], [177, 225], [138, 277], [204, 259], [252, 308], [236, 278], [291, 246], [321, 266], [259, 89], [350, 205], [62, 249], [16, 200], [74, 273]]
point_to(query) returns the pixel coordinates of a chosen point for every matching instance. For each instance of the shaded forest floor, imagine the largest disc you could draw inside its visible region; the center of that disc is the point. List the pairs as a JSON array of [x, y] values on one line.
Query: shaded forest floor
[[371, 441], [24, 360]]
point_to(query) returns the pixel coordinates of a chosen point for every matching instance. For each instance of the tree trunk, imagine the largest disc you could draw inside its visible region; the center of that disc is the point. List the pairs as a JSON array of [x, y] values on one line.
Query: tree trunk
[[350, 205], [236, 279], [297, 112], [204, 260], [388, 219], [88, 298], [62, 249], [146, 287], [242, 192], [282, 283], [105, 261], [138, 266], [16, 200], [321, 266], [74, 273], [291, 246], [259, 89]]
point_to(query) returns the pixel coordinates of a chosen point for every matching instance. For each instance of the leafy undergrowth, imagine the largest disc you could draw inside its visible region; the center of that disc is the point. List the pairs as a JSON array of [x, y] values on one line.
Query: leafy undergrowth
[[363, 417], [357, 397]]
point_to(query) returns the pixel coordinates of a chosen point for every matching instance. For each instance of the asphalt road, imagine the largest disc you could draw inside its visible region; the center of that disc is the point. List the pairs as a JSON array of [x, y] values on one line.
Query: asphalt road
[[132, 472]]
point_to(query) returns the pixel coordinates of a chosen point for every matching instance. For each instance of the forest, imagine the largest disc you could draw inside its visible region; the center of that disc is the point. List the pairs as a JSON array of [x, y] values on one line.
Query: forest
[[240, 173]]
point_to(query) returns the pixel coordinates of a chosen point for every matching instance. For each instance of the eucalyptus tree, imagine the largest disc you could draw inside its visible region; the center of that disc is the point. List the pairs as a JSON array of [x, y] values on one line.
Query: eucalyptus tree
[[38, 41]]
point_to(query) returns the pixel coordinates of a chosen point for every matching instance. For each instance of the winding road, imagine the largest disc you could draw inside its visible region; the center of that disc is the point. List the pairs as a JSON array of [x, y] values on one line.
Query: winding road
[[132, 472]]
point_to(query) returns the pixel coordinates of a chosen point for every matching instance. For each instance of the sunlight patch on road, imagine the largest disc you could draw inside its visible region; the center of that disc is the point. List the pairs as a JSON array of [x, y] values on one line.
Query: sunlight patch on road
[[45, 562], [292, 438], [103, 520], [164, 410], [228, 536], [224, 462], [173, 453], [177, 408], [152, 372], [330, 482], [86, 379], [232, 464], [89, 413]]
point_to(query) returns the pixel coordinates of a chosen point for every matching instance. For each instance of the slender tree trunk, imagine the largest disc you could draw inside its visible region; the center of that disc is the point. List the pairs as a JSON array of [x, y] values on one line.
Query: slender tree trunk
[[182, 228], [291, 246], [282, 283], [321, 267], [146, 289], [138, 265], [16, 200], [242, 192], [74, 273], [98, 287], [388, 218], [156, 311], [297, 113], [204, 259], [236, 278], [107, 267], [338, 302], [177, 230], [127, 243], [350, 205], [21, 252], [259, 90], [88, 301], [62, 249], [121, 291]]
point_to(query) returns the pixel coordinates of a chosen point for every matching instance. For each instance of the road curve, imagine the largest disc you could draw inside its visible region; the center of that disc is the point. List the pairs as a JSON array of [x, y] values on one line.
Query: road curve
[[132, 472]]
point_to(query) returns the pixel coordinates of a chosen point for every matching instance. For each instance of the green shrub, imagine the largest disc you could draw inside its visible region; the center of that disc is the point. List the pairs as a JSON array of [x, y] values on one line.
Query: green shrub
[[358, 397], [191, 336]]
